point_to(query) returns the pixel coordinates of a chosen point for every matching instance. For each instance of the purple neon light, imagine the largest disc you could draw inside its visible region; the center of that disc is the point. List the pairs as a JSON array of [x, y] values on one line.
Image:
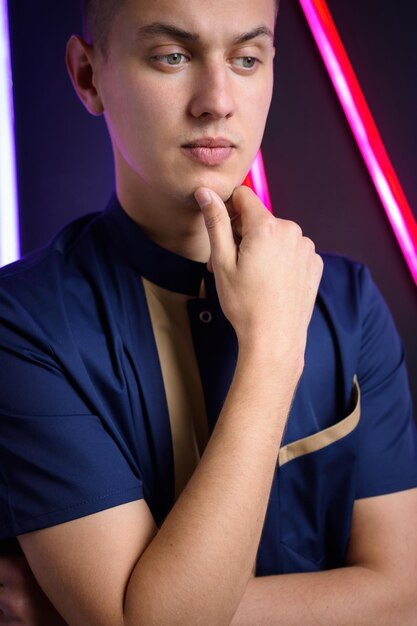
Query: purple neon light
[[9, 221], [364, 129]]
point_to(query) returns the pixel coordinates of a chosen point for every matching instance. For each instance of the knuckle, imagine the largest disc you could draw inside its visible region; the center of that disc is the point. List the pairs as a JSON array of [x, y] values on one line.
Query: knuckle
[[319, 265], [267, 228], [269, 224], [310, 243], [244, 199], [295, 229], [213, 220], [243, 192], [292, 229]]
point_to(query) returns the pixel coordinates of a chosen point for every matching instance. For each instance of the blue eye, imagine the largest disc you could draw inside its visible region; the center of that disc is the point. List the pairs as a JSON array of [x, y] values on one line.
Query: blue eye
[[173, 59], [248, 62]]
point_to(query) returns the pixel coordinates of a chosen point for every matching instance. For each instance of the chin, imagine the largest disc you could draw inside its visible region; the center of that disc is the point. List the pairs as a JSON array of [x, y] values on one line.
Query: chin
[[223, 186], [223, 183]]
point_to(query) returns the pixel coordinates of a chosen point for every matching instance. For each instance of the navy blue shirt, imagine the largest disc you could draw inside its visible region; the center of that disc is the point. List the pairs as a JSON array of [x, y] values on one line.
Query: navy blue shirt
[[84, 421]]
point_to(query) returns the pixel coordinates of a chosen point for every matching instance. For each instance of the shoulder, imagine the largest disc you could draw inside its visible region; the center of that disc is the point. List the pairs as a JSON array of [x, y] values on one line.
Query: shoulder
[[341, 274], [39, 292], [348, 290], [358, 316], [362, 320], [58, 249], [40, 277]]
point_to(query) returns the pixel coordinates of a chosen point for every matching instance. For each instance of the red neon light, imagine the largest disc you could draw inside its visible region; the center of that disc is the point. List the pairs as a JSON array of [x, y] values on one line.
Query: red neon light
[[364, 128], [256, 180]]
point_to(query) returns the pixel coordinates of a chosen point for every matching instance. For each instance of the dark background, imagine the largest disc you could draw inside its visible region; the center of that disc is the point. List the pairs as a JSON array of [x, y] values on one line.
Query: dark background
[[315, 171]]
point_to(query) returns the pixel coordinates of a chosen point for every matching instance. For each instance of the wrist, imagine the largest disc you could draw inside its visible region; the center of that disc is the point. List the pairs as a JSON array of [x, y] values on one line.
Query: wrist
[[264, 366], [272, 356]]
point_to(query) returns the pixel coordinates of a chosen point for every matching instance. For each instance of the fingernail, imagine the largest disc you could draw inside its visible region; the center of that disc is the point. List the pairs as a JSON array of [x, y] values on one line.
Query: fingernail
[[203, 197]]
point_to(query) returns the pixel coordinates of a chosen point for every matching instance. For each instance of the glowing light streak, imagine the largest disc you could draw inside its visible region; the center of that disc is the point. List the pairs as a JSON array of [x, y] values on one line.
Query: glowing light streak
[[256, 180], [364, 128], [9, 222]]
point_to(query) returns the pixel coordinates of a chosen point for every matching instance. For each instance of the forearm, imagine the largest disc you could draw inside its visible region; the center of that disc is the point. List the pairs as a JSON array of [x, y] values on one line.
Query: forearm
[[208, 543], [340, 597], [196, 567]]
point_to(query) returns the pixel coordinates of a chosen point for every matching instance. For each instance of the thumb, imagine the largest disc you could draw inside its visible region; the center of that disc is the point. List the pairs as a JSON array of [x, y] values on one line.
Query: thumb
[[219, 228]]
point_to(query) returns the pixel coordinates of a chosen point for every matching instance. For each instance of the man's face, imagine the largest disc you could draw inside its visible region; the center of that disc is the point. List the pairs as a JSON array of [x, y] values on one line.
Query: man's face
[[162, 91]]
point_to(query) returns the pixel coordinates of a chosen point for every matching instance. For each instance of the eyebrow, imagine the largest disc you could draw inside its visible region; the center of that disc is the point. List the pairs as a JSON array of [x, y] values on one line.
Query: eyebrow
[[162, 28]]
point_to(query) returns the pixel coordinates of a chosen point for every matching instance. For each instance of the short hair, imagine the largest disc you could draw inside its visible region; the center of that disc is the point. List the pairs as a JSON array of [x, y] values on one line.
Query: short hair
[[97, 17]]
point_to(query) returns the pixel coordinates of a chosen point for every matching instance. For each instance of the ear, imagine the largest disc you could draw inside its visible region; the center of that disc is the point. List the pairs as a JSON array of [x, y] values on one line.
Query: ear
[[80, 64]]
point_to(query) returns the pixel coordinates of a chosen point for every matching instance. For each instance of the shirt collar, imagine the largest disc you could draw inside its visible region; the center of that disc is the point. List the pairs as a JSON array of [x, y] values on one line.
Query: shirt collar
[[158, 265]]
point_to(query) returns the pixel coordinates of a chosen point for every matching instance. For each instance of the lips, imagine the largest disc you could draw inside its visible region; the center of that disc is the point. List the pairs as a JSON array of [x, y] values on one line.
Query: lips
[[210, 142], [209, 150]]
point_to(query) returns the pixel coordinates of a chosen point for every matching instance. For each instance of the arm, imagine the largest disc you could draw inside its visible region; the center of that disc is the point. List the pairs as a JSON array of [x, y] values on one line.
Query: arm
[[21, 599], [112, 567], [378, 587]]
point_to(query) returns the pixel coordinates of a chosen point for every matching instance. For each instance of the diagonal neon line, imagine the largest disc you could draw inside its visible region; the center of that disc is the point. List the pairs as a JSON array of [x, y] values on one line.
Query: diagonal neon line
[[353, 103], [364, 129], [256, 180]]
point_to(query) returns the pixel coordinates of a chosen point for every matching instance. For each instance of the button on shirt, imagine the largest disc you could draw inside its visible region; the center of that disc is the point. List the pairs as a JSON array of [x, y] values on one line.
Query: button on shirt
[[115, 366]]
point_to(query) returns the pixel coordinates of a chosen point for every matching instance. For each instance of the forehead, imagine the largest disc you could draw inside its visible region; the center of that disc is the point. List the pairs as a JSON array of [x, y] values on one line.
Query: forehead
[[208, 20]]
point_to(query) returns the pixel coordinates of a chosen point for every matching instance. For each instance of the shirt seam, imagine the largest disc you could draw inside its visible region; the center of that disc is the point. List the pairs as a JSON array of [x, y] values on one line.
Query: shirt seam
[[78, 505]]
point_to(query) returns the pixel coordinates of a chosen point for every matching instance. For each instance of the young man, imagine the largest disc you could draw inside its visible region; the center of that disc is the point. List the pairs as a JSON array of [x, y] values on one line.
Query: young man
[[144, 396]]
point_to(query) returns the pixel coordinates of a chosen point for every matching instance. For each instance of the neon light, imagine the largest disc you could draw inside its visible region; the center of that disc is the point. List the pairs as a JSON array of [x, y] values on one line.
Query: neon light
[[9, 222], [364, 129], [256, 180]]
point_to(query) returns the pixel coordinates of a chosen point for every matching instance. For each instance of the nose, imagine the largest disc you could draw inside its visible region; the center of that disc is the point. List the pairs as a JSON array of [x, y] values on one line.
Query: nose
[[213, 94]]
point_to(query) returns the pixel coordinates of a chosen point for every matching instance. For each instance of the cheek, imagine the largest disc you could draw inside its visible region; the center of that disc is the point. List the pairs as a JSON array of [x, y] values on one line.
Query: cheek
[[263, 106], [138, 121], [127, 101], [254, 99], [255, 113]]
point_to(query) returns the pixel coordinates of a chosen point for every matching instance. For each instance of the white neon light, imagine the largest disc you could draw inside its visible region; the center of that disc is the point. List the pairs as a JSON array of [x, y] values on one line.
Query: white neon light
[[9, 221]]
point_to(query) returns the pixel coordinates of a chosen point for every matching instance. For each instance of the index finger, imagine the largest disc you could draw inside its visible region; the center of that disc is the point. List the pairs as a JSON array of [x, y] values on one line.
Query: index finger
[[246, 209]]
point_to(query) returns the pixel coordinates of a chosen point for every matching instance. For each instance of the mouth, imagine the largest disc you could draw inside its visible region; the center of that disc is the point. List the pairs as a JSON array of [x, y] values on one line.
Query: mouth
[[209, 150]]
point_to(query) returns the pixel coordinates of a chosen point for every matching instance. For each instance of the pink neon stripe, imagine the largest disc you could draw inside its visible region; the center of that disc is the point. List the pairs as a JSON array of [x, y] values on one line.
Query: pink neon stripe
[[364, 128], [257, 181]]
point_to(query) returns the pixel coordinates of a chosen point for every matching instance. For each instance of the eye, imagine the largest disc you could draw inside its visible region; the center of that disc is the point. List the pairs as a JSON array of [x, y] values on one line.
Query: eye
[[172, 59], [247, 63]]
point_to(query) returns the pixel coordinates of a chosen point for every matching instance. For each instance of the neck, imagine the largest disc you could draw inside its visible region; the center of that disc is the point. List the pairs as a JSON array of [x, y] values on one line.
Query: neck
[[175, 226]]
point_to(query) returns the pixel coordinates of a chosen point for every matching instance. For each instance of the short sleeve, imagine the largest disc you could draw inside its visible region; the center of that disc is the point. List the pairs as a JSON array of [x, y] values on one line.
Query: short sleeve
[[58, 460], [388, 441]]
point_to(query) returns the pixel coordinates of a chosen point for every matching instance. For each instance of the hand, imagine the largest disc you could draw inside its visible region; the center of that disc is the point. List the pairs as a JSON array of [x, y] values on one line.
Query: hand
[[267, 274], [22, 601]]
